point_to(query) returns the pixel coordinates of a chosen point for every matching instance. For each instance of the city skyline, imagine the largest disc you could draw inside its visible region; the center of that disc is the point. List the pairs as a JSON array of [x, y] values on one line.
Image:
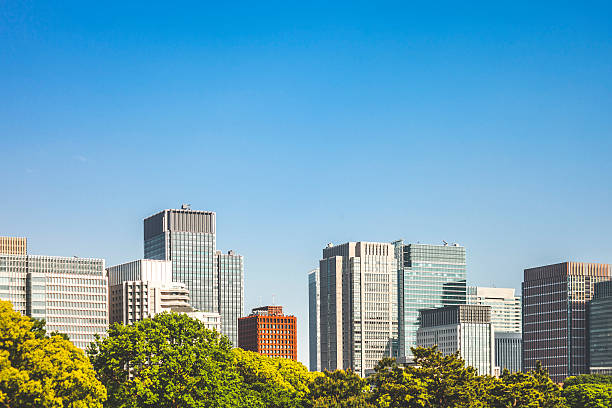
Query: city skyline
[[497, 117]]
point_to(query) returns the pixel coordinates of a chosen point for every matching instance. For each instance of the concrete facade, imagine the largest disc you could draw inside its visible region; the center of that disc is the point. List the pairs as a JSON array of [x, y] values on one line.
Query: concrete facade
[[358, 305]]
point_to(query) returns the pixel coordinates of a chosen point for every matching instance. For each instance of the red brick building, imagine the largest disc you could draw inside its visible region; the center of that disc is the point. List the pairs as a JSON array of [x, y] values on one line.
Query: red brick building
[[269, 332]]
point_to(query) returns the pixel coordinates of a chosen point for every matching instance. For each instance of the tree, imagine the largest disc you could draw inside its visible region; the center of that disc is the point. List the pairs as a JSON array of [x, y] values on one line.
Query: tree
[[339, 389], [168, 361], [274, 381], [395, 387], [534, 389], [449, 382], [589, 395], [41, 371], [587, 379]]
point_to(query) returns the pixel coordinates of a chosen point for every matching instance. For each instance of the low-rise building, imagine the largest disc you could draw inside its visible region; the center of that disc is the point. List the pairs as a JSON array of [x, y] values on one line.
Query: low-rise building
[[269, 332], [463, 328]]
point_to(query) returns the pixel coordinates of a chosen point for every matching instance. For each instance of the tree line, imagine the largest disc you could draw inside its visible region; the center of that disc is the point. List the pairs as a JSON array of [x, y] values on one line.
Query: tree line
[[173, 361]]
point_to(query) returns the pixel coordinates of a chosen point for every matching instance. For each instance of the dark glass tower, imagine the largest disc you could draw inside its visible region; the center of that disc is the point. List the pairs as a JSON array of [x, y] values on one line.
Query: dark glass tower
[[215, 281]]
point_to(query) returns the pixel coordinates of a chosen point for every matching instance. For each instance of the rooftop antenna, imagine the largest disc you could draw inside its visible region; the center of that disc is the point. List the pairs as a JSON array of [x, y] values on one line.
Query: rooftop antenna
[[445, 243], [273, 300], [186, 206], [260, 300]]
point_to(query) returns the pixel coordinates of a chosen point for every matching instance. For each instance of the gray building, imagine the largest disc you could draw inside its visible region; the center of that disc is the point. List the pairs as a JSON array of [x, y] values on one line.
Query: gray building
[[507, 323], [314, 334], [358, 305], [70, 293], [215, 281], [429, 276], [463, 328], [508, 351], [600, 329], [555, 299]]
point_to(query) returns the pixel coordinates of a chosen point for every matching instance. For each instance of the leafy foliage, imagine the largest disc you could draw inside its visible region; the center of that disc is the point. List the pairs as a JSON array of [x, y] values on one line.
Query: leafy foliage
[[587, 379], [275, 382], [42, 371], [341, 389], [168, 361], [589, 395]]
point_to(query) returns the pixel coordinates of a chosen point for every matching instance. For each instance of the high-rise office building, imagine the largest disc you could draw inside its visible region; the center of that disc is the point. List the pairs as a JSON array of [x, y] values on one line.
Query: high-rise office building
[[13, 245], [506, 318], [429, 277], [600, 329], [69, 293], [215, 281], [358, 305], [463, 328], [231, 292], [314, 333], [269, 332], [554, 316]]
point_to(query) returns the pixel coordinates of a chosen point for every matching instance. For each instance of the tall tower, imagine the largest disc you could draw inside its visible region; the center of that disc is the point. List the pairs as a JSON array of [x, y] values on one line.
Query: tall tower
[[314, 332], [358, 305], [554, 316], [429, 277], [215, 281]]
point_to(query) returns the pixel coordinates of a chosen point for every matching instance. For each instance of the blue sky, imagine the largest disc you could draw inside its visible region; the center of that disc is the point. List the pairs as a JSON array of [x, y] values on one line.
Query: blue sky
[[487, 124]]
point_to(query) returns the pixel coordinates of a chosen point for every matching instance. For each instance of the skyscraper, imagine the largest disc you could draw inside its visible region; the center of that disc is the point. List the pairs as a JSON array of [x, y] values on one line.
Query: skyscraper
[[358, 305], [600, 329], [314, 333], [554, 316], [463, 328], [506, 319], [215, 280], [70, 293], [429, 277]]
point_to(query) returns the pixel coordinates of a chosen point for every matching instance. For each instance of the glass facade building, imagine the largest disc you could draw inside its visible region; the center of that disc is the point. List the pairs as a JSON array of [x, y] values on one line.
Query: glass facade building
[[358, 305], [600, 329], [231, 292], [69, 293], [555, 328], [463, 328], [429, 277], [314, 334], [215, 281]]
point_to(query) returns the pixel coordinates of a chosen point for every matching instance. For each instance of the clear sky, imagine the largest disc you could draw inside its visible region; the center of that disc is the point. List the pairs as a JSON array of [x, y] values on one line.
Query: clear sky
[[303, 123]]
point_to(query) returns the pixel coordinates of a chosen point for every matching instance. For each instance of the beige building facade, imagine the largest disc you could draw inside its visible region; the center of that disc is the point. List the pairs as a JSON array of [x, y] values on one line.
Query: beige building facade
[[358, 305]]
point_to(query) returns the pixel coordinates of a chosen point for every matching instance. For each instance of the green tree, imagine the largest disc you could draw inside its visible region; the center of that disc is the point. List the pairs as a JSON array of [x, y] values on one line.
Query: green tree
[[449, 382], [589, 395], [275, 382], [41, 371], [534, 389], [168, 361], [340, 389], [394, 387], [587, 379]]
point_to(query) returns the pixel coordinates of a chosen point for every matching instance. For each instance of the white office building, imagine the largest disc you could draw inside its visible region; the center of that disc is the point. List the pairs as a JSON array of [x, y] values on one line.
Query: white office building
[[463, 328], [70, 293]]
